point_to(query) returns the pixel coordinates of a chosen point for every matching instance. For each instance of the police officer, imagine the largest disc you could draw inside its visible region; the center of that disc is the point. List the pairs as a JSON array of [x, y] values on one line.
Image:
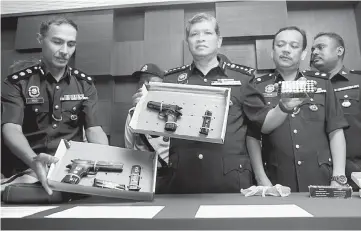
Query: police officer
[[49, 101], [328, 51], [303, 149], [142, 142], [206, 167]]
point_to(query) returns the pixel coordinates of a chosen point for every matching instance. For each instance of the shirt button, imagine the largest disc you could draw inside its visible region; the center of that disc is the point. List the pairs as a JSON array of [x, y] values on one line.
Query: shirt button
[[295, 131], [57, 87], [55, 125], [56, 107], [200, 156], [297, 146], [205, 80], [36, 110], [299, 162]]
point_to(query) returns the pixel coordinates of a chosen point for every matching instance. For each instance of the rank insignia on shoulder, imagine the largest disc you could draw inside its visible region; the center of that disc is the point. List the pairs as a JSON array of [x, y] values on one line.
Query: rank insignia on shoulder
[[81, 75], [175, 70], [240, 68], [23, 74], [355, 72], [315, 74]]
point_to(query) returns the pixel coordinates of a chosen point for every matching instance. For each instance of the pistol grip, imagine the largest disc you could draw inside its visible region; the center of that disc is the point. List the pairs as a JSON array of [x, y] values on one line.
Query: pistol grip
[[170, 124], [75, 174]]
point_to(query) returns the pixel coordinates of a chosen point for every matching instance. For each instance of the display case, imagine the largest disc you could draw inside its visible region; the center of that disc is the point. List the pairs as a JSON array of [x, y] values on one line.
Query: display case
[[103, 170], [182, 111]]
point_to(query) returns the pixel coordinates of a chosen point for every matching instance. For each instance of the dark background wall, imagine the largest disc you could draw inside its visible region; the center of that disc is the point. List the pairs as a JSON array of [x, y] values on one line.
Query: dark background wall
[[113, 43]]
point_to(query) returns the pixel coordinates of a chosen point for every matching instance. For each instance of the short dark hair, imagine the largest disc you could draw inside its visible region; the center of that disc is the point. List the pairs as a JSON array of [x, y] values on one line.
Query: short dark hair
[[200, 18], [302, 32], [336, 37], [44, 27]]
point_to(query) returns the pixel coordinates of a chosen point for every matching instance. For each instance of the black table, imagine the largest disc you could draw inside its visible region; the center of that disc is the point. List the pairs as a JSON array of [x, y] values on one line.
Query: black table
[[179, 213]]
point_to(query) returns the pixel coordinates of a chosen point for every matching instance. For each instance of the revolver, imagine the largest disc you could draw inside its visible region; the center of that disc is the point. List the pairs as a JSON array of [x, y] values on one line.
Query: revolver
[[169, 112], [81, 168]]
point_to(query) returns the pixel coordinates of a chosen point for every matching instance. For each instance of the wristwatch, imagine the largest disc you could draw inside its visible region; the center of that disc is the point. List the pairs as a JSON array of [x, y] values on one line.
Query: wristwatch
[[284, 109], [341, 179]]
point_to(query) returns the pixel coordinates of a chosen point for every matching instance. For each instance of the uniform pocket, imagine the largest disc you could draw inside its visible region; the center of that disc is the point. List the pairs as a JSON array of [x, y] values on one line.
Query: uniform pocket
[[237, 170], [313, 109], [71, 112], [349, 100], [37, 116]]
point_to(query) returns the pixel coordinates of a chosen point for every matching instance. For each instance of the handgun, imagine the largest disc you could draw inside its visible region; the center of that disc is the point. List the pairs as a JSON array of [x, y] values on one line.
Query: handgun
[[81, 168], [169, 112]]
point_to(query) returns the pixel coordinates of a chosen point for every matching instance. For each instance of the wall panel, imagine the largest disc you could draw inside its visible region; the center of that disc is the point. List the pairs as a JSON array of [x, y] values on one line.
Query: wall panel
[[127, 57], [263, 51], [94, 58], [340, 20], [165, 24], [251, 18]]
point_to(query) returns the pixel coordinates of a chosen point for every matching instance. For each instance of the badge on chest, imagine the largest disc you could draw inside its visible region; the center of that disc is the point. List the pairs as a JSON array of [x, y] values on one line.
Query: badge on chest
[[34, 93], [75, 97], [226, 82]]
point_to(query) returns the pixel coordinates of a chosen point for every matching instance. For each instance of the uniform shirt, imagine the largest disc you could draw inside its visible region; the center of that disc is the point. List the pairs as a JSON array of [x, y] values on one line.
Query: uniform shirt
[[133, 141], [201, 167], [297, 153], [47, 110], [347, 88]]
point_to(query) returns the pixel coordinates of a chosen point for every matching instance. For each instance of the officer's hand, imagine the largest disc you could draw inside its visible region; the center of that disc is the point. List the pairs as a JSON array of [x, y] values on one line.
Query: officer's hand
[[264, 182], [291, 103], [136, 97], [335, 184], [40, 167]]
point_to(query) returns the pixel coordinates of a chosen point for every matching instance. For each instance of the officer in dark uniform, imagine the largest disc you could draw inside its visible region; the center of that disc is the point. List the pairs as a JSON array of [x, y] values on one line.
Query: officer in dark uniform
[[328, 51], [302, 151], [216, 168], [49, 101]]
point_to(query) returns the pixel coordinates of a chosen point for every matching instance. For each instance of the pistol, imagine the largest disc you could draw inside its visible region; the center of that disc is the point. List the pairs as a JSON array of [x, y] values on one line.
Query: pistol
[[169, 112], [81, 168]]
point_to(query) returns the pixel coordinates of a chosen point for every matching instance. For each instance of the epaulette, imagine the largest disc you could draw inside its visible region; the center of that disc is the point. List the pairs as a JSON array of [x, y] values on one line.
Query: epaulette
[[264, 78], [240, 68], [175, 70], [355, 72], [81, 75], [316, 74], [24, 73]]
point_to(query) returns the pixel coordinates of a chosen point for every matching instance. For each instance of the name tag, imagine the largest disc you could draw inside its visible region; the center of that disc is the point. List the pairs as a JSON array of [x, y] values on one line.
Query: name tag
[[226, 82], [38, 100], [346, 88], [320, 90], [74, 97], [268, 95]]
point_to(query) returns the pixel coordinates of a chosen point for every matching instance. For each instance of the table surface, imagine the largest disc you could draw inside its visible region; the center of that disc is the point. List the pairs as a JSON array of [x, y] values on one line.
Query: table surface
[[180, 209]]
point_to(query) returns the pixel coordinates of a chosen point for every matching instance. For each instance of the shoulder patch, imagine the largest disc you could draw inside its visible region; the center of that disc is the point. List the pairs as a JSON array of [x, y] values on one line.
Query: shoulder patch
[[240, 68], [316, 74], [24, 73], [175, 70], [81, 75], [355, 72], [264, 78]]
